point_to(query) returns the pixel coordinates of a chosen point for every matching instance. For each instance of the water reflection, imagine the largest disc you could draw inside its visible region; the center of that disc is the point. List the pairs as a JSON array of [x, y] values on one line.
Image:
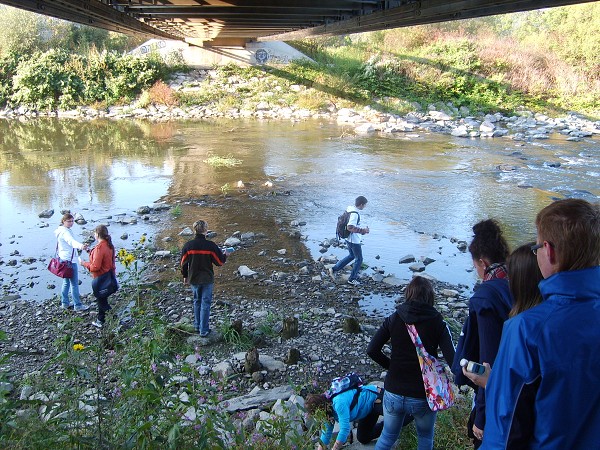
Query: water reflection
[[423, 189]]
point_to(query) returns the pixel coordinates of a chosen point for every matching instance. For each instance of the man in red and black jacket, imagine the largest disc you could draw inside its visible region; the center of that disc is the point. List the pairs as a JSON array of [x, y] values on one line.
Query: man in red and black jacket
[[197, 259]]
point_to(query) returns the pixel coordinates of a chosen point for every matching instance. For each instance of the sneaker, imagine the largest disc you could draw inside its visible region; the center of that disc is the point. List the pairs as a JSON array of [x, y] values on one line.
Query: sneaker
[[354, 282], [81, 308], [331, 273], [97, 324], [205, 334], [63, 306]]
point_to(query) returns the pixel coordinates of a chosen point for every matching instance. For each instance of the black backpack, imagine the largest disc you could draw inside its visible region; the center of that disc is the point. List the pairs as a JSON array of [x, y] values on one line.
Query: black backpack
[[341, 230]]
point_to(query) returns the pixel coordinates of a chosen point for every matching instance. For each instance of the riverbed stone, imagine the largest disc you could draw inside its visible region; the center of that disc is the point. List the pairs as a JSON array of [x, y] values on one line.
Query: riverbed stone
[[187, 231], [417, 267], [46, 214], [407, 259], [245, 271]]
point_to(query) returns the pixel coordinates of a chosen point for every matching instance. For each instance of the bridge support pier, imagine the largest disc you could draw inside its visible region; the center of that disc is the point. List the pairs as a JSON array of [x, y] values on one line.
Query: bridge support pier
[[204, 55]]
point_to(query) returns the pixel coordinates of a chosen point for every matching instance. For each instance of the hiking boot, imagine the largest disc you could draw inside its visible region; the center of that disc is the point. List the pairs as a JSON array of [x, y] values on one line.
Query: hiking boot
[[203, 335], [97, 324], [81, 308], [354, 282], [331, 273], [63, 306]]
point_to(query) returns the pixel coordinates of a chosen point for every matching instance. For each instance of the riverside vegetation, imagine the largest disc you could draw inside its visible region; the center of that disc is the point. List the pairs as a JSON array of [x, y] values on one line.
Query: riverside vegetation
[[545, 61], [130, 387]]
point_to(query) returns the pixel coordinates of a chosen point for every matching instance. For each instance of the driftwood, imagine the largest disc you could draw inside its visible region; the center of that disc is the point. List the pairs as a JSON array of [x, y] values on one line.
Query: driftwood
[[290, 327], [252, 363], [293, 356], [351, 325]]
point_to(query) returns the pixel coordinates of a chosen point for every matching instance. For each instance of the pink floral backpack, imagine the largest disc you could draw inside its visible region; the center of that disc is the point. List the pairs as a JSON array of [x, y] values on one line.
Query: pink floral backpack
[[438, 389]]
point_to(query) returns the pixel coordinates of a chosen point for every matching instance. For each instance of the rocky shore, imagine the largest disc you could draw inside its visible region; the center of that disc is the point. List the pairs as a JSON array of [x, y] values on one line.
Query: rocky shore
[[438, 118], [261, 284], [260, 288]]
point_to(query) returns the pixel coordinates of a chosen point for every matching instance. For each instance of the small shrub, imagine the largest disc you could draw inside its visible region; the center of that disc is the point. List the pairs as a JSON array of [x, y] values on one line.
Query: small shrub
[[161, 94]]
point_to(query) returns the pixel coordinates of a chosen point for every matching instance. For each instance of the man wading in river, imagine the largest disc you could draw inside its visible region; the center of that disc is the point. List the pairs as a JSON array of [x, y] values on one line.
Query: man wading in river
[[197, 259], [354, 241]]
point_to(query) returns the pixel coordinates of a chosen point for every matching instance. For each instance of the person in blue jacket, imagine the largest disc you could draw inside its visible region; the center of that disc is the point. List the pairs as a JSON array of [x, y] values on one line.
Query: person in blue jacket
[[555, 346], [489, 307], [343, 409]]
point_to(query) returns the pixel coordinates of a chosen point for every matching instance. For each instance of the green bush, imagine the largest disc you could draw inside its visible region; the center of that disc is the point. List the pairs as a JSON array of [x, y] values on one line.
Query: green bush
[[44, 82], [8, 69]]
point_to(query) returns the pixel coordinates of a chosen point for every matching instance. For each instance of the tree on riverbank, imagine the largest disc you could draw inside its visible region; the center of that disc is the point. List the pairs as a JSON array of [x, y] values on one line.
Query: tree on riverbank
[[541, 60]]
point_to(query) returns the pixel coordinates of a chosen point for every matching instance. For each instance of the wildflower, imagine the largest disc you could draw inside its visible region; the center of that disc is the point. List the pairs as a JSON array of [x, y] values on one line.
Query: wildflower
[[153, 366], [78, 347], [125, 258], [143, 239]]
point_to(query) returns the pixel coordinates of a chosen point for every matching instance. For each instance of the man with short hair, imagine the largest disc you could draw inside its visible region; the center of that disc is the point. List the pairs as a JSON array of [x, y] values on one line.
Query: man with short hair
[[549, 356], [353, 241], [197, 259]]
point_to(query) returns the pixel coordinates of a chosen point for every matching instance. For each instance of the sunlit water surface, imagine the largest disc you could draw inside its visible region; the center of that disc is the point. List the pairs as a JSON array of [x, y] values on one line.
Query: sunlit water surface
[[424, 190]]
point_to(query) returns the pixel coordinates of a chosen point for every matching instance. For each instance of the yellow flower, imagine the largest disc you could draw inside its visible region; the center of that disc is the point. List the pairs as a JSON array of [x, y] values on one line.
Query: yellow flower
[[78, 347], [125, 258], [143, 239]]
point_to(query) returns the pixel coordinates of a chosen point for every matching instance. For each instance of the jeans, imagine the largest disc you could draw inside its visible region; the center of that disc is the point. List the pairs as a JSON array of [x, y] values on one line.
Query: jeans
[[103, 308], [202, 299], [354, 253], [73, 284], [395, 407]]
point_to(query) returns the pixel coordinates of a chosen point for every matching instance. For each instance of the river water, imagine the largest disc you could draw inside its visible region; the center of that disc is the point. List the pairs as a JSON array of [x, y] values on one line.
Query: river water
[[424, 190]]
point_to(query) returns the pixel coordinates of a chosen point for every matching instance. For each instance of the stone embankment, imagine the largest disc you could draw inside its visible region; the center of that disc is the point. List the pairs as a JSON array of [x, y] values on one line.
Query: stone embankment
[[438, 118]]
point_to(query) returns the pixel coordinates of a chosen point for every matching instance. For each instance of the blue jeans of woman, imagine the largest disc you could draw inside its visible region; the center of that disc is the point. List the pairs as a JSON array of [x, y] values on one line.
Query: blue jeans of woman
[[73, 284], [354, 253], [395, 408], [202, 299]]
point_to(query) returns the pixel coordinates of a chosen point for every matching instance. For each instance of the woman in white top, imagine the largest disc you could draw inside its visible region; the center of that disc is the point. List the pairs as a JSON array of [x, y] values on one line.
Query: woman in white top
[[66, 252]]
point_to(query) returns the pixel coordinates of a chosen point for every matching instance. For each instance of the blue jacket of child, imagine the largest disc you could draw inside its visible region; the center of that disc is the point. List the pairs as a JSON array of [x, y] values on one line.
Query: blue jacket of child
[[344, 416]]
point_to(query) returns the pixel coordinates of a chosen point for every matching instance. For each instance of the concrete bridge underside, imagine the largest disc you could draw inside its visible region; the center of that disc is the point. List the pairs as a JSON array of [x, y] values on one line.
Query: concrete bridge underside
[[234, 22]]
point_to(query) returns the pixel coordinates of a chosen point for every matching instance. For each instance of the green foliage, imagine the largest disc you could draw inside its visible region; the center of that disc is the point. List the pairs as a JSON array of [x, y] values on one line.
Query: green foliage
[[176, 211], [221, 161], [8, 68], [44, 82], [239, 341], [56, 79], [132, 388], [21, 31]]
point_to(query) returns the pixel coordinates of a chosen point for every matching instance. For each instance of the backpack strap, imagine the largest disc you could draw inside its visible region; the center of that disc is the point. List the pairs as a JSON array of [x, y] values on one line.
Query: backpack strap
[[354, 401]]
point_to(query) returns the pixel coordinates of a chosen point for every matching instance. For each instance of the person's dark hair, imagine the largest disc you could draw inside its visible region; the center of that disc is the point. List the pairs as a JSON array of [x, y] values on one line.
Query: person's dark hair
[[572, 227], [488, 242], [360, 200], [318, 402], [65, 217], [420, 290], [102, 232], [523, 278]]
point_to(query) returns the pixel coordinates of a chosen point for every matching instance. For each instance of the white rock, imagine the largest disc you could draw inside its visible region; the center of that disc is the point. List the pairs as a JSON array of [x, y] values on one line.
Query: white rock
[[244, 271]]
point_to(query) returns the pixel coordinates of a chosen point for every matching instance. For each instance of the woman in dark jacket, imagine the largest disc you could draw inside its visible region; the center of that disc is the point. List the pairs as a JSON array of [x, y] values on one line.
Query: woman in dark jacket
[[404, 388], [488, 310]]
